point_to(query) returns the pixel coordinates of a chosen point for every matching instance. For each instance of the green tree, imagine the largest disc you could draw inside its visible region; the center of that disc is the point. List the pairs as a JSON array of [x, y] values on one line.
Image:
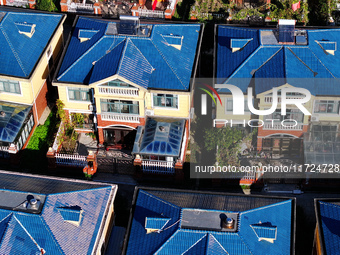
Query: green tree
[[228, 142], [46, 5]]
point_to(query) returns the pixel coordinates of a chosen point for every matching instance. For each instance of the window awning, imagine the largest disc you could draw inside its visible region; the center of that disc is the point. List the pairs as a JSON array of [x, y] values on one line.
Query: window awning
[[12, 117], [162, 137]]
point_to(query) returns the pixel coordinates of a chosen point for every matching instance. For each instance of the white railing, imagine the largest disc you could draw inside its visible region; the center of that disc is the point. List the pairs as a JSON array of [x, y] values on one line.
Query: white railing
[[269, 99], [4, 148], [118, 91], [18, 3], [74, 7], [151, 14], [118, 117], [71, 160], [279, 126], [158, 167]]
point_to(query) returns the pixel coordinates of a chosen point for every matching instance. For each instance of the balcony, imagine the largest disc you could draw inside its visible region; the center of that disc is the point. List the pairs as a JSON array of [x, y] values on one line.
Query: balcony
[[109, 90], [80, 7], [158, 167], [278, 126], [120, 117], [17, 3]]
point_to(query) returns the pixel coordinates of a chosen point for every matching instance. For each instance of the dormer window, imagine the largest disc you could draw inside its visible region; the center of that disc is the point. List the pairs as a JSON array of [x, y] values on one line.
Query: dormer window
[[239, 44], [174, 41], [26, 28]]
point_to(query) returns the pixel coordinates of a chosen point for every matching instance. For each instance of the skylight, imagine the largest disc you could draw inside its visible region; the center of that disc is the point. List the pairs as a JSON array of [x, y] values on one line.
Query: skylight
[[86, 34]]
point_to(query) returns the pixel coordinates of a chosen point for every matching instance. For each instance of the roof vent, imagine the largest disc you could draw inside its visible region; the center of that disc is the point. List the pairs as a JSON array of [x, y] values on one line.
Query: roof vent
[[33, 203], [286, 31], [86, 34], [25, 28], [228, 223], [327, 46], [239, 44]]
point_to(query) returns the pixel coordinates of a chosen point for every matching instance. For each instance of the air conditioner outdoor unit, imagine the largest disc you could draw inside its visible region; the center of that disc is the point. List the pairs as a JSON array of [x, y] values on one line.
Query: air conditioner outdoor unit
[[149, 112], [315, 118]]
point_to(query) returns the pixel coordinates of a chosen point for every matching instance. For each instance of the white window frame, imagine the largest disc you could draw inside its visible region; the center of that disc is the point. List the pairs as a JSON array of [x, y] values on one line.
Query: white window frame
[[165, 107]]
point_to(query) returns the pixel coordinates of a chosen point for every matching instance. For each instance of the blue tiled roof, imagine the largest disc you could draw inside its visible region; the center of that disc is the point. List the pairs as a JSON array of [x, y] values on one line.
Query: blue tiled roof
[[330, 226], [18, 52], [162, 137], [288, 63], [173, 239], [150, 62], [12, 121], [27, 233]]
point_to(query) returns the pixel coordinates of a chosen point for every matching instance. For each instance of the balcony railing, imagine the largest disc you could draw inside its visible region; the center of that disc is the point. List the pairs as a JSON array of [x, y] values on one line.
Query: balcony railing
[[151, 14], [269, 99], [79, 7], [120, 117], [71, 160], [18, 3], [158, 167], [107, 90], [278, 126]]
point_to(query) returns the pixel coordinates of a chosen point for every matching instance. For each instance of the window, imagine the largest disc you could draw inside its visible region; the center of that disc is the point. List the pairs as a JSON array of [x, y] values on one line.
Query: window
[[294, 114], [119, 106], [10, 86], [326, 106], [229, 105], [117, 83], [165, 100], [78, 94]]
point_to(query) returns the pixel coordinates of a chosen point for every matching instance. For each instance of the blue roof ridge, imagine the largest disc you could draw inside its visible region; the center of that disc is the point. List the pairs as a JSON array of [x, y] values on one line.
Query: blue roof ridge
[[51, 234], [207, 246], [128, 40], [244, 62], [330, 204], [269, 59], [245, 244], [322, 63], [76, 191], [301, 61], [160, 53], [109, 50], [265, 207], [206, 235], [13, 51], [80, 58], [167, 241], [26, 231], [159, 199], [4, 233]]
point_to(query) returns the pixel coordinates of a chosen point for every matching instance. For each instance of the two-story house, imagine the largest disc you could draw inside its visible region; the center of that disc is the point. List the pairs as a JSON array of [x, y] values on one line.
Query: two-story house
[[125, 76], [29, 44], [284, 57]]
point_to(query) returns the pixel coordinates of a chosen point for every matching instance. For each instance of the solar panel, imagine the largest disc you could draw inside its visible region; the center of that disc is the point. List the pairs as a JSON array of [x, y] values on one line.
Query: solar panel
[[111, 29], [128, 25]]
